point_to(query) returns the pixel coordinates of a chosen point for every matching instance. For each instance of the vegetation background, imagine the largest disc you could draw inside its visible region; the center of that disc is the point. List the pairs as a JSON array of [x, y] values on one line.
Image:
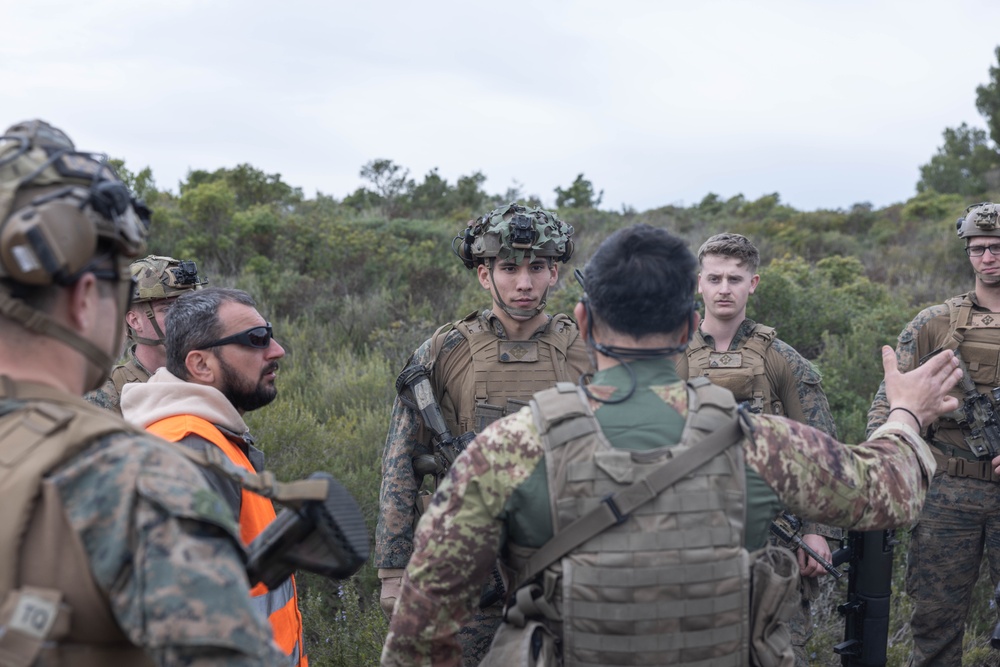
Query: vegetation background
[[354, 285]]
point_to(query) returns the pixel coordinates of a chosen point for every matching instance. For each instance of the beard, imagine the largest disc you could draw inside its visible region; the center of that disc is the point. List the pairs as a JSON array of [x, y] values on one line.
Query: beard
[[245, 394]]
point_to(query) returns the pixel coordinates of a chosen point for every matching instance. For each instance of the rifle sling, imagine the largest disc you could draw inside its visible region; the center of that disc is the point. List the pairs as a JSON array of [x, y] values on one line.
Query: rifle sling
[[617, 507]]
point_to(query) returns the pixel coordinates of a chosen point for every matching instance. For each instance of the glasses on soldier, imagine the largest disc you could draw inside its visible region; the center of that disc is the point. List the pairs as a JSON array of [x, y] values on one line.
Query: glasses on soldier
[[259, 337], [978, 250]]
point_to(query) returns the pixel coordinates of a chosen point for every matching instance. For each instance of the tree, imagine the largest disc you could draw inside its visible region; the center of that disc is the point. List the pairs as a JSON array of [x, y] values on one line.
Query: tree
[[988, 101], [578, 195], [962, 164], [390, 182]]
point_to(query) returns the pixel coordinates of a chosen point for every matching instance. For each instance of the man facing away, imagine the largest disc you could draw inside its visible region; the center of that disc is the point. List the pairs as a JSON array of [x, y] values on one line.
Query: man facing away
[[158, 282], [113, 548], [479, 368], [633, 510], [763, 371], [222, 361], [961, 519]]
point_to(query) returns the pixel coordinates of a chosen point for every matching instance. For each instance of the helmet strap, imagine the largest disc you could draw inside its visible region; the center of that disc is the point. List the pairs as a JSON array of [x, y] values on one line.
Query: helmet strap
[[44, 324], [527, 313], [160, 339]]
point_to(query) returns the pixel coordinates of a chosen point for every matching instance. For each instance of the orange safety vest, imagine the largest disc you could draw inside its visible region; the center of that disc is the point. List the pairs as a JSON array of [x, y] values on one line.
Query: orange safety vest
[[279, 605]]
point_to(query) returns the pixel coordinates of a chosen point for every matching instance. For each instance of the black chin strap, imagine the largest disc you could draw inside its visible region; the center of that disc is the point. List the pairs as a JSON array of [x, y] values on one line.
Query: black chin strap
[[623, 355]]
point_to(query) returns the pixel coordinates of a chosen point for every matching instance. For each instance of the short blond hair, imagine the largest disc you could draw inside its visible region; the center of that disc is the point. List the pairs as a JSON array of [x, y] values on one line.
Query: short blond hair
[[731, 245]]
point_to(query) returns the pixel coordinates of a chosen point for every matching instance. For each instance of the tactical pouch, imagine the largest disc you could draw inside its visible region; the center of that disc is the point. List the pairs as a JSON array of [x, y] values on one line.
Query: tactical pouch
[[534, 645], [774, 598]]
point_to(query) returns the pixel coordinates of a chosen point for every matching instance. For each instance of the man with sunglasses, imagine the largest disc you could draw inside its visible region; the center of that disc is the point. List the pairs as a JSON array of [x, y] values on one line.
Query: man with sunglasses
[[222, 362], [961, 519], [158, 282], [113, 548]]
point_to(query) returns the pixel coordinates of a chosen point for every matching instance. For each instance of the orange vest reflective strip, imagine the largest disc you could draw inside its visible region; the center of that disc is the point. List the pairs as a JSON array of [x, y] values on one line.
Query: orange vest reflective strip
[[280, 606]]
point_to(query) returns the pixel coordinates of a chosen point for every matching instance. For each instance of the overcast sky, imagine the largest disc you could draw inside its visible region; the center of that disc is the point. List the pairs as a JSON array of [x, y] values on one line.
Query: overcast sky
[[658, 102]]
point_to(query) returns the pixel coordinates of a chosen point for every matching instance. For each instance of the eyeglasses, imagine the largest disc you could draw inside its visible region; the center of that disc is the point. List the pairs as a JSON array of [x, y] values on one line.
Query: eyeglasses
[[978, 250], [259, 337]]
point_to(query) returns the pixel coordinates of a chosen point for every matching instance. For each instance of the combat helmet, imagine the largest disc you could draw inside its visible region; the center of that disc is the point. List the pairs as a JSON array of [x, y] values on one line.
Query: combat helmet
[[981, 219], [63, 213], [157, 277], [515, 232]]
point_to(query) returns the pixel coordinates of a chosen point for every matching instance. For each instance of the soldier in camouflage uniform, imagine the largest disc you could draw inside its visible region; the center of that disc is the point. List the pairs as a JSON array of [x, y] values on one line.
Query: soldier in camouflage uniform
[[113, 549], [639, 591], [158, 282], [747, 358], [962, 516], [480, 368]]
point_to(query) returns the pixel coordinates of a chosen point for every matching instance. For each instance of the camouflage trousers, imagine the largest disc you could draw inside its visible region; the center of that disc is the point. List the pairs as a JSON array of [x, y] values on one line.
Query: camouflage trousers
[[960, 521], [477, 635], [800, 625]]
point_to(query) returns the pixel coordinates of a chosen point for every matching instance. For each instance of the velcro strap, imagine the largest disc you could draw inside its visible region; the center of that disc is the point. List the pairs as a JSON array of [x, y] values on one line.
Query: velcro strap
[[29, 617]]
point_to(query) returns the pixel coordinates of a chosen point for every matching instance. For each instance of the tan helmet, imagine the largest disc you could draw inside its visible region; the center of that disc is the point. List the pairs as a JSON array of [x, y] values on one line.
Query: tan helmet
[[981, 219], [514, 231], [158, 277], [61, 212]]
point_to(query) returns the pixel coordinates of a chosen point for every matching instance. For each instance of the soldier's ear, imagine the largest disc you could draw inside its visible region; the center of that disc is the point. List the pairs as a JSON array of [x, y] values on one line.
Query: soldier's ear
[[202, 367]]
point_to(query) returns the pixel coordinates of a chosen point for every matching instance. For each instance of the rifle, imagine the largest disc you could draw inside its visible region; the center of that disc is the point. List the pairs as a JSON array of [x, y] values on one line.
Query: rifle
[[869, 587], [977, 416], [416, 380], [326, 536], [786, 528]]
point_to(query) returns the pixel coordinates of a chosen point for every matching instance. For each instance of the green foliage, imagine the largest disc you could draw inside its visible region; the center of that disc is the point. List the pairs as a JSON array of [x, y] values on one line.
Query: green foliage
[[961, 165], [988, 100], [580, 194]]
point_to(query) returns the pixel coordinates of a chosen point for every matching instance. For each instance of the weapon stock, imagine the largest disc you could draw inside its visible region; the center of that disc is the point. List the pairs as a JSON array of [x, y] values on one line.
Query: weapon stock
[[869, 587], [447, 447], [327, 537]]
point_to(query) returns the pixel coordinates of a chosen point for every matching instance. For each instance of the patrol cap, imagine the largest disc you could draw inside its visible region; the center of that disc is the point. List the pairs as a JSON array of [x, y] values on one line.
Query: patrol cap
[[514, 232], [159, 277], [981, 219]]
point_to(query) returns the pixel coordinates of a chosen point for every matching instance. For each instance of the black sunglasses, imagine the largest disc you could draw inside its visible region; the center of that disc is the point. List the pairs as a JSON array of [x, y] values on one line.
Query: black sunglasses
[[259, 337]]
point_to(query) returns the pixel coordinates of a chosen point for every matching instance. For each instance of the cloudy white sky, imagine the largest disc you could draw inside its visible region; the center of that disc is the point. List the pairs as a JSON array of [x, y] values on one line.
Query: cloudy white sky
[[827, 102]]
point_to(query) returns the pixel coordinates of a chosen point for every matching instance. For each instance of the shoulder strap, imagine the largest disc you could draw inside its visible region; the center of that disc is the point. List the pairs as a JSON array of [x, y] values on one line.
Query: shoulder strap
[[760, 339], [959, 308], [437, 338], [616, 508]]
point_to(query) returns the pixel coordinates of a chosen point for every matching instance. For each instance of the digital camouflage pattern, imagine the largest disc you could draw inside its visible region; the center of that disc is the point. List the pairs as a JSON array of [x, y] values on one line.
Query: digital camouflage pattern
[[878, 484], [959, 522], [129, 370], [164, 550]]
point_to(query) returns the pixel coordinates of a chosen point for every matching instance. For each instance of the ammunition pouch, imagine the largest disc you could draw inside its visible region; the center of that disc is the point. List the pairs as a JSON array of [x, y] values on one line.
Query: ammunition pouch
[[774, 599], [534, 645]]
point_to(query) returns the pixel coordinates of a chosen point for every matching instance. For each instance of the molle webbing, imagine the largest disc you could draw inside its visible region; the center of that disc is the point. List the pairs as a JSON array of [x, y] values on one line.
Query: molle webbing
[[500, 375], [740, 371], [48, 428], [670, 583]]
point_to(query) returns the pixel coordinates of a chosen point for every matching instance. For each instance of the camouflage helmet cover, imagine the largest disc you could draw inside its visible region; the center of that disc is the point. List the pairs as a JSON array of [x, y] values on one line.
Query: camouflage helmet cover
[[57, 204], [515, 232], [157, 277], [981, 219]]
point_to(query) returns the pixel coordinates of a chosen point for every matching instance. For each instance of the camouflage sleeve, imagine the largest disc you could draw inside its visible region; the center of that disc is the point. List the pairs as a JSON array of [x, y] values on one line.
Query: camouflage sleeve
[[877, 484], [457, 543], [811, 397], [907, 357], [106, 397], [398, 492], [164, 549]]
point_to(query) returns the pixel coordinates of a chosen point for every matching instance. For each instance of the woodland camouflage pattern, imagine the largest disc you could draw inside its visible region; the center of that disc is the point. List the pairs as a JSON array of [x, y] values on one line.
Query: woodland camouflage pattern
[[879, 484], [957, 523], [165, 550]]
